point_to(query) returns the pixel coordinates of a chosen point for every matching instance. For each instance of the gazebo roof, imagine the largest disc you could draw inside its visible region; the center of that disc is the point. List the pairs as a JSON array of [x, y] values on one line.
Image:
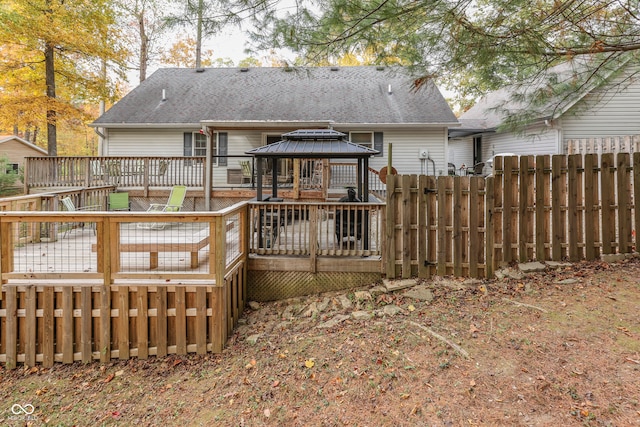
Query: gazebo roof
[[313, 143]]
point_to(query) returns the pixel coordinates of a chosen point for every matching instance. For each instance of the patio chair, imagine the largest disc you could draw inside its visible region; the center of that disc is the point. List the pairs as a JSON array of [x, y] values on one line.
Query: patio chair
[[348, 222], [174, 204], [247, 172], [119, 202], [476, 169], [71, 207]]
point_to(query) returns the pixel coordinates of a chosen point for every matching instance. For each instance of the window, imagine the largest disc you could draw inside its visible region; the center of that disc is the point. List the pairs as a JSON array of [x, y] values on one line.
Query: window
[[200, 144], [12, 168], [363, 138], [195, 144]]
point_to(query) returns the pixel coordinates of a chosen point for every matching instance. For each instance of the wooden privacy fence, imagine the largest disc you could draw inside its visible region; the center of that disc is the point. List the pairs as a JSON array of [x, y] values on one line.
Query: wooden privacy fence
[[545, 208], [81, 305], [613, 144]]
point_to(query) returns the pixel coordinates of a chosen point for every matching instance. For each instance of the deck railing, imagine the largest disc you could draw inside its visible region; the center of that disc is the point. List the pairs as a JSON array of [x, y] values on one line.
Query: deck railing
[[102, 285], [43, 172], [316, 229], [162, 172]]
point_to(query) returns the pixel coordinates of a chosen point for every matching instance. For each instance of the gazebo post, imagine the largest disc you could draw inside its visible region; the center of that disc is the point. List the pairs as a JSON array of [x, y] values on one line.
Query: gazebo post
[[274, 177], [259, 178]]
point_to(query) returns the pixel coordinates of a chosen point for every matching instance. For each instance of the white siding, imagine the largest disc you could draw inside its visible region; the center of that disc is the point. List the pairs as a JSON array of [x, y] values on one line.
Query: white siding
[[461, 152], [536, 140], [406, 148], [169, 142], [145, 142], [614, 110]]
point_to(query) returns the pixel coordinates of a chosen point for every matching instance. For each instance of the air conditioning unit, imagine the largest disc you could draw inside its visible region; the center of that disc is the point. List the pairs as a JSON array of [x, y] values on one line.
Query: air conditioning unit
[[423, 154]]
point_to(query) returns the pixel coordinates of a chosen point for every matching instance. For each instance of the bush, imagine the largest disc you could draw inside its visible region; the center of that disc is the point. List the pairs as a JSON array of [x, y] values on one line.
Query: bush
[[7, 179]]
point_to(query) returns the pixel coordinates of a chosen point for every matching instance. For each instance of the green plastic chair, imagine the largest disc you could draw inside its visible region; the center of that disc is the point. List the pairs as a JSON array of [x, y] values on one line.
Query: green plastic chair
[[71, 207], [174, 204], [119, 202]]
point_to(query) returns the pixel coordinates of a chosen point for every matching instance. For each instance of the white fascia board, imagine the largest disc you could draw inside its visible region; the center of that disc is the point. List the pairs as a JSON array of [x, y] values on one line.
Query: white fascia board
[[258, 124], [144, 125], [397, 125]]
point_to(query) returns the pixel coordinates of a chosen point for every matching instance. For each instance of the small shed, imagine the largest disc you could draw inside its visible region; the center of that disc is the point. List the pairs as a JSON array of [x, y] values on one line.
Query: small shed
[[16, 149], [313, 144]]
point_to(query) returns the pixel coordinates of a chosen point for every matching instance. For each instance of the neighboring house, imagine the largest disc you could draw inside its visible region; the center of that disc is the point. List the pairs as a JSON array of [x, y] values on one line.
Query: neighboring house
[[228, 111], [608, 109], [16, 149]]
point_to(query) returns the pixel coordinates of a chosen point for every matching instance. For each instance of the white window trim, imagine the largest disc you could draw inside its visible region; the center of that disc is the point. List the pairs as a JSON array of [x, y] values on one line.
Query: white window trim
[[371, 142], [214, 146]]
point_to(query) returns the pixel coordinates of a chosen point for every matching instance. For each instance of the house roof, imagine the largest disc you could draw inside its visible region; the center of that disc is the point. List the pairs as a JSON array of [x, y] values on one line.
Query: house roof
[[321, 95], [311, 143], [492, 110], [7, 138]]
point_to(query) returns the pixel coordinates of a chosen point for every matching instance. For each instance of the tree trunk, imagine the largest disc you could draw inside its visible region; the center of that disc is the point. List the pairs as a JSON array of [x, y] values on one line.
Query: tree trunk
[[50, 79], [199, 36], [144, 46]]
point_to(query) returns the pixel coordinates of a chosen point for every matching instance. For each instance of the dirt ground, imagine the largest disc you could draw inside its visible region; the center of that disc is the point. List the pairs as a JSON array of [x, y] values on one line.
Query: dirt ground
[[559, 347]]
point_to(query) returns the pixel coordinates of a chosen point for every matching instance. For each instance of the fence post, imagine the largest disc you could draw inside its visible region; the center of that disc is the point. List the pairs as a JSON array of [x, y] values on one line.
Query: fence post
[[390, 244], [11, 327], [489, 229], [218, 292], [104, 244]]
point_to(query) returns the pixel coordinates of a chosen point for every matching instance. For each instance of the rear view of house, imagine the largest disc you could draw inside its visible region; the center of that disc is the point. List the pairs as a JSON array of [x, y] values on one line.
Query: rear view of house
[[228, 111]]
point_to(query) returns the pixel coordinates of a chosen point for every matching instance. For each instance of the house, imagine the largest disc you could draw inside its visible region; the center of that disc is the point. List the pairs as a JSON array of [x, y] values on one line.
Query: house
[[16, 149], [607, 108], [229, 111]]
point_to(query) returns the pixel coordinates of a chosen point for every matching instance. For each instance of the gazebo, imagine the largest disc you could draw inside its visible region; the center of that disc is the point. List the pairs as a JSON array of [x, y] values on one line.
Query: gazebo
[[313, 144]]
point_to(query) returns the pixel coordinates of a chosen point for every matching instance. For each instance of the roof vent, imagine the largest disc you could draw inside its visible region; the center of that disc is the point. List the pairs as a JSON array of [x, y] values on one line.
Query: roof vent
[[199, 70], [380, 68], [164, 94], [389, 91], [244, 70], [334, 68]]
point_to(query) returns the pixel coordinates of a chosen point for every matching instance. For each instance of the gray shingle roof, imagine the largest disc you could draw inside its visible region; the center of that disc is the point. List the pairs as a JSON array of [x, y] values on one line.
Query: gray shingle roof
[[339, 94], [492, 110], [309, 143]]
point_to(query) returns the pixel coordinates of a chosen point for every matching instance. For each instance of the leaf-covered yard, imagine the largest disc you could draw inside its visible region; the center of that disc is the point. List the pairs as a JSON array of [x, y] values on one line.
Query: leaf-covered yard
[[561, 347]]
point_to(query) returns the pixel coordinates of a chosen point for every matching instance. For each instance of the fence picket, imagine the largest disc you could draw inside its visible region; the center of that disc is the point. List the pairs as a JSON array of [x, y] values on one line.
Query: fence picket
[[636, 197], [161, 321], [31, 324], [458, 240], [423, 226], [608, 208], [624, 202], [85, 324], [474, 220], [442, 227], [180, 321], [201, 319], [407, 243], [67, 325], [574, 165], [142, 322], [48, 336]]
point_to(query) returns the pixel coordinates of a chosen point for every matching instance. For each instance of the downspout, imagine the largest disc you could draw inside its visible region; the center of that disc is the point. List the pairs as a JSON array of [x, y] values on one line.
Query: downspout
[[207, 170], [99, 132]]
